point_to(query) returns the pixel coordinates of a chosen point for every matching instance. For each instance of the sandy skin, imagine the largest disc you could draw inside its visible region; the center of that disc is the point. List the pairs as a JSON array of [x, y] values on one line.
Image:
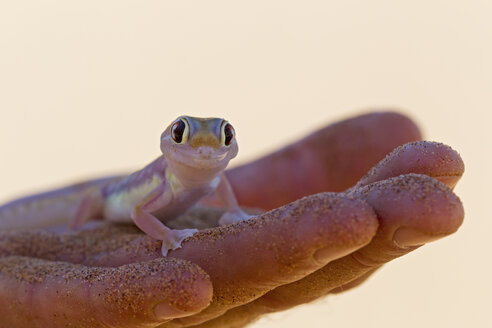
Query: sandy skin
[[303, 249]]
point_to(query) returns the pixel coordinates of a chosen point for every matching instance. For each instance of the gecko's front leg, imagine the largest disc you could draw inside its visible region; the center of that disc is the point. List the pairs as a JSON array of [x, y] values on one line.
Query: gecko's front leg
[[233, 212], [148, 223]]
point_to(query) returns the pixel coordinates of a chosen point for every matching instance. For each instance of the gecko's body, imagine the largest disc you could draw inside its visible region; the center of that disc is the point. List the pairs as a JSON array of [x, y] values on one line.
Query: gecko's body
[[195, 153], [121, 197]]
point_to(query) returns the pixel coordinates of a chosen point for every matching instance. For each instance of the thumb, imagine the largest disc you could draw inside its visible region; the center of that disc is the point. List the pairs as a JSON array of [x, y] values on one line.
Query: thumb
[[40, 293]]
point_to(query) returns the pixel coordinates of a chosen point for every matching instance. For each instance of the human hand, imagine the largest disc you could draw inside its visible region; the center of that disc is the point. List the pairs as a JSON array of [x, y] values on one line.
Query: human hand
[[115, 276]]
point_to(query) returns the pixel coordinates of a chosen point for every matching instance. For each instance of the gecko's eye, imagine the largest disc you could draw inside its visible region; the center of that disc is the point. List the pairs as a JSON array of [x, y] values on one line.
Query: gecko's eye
[[227, 135], [179, 131]]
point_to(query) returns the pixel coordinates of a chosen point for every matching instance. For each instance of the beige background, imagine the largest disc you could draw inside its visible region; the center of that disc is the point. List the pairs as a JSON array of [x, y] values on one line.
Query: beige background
[[86, 88]]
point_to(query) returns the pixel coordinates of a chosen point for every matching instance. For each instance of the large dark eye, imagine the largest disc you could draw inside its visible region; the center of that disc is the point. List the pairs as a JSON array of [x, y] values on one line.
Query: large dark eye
[[178, 131], [227, 134]]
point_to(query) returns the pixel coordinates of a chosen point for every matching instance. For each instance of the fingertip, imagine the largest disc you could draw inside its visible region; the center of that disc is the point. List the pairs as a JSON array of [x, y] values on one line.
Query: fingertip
[[412, 209], [155, 291], [450, 181], [349, 223], [434, 159], [178, 308], [338, 222]]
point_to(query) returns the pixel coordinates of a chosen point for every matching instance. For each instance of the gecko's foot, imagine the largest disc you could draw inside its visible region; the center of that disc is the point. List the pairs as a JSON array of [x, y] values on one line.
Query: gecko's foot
[[174, 238], [233, 217]]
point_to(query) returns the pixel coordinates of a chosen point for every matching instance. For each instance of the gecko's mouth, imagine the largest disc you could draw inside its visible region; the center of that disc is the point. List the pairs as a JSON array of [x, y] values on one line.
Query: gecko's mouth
[[210, 158], [204, 162]]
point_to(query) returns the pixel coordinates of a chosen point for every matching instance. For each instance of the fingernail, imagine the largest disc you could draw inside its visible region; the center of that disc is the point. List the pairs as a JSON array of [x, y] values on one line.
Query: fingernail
[[330, 253], [408, 237], [450, 181], [165, 311]]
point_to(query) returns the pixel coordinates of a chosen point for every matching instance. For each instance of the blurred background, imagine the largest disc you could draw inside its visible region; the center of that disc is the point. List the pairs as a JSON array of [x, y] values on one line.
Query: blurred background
[[87, 87]]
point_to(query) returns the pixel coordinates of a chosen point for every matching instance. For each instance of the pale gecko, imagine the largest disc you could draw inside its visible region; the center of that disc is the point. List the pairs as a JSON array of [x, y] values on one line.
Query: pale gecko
[[195, 153]]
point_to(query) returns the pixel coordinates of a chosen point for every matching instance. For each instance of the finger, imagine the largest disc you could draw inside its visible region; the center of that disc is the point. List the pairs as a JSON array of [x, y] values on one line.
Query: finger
[[331, 159], [412, 210], [354, 283], [424, 157], [40, 293], [238, 317], [430, 158], [80, 247], [248, 259]]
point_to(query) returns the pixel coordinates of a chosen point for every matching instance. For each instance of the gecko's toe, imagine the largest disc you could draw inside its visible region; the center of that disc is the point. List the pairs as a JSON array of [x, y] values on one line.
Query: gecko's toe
[[233, 217], [174, 239]]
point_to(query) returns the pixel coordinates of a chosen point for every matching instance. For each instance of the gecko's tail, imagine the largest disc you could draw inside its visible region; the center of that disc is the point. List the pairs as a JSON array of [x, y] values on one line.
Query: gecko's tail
[[56, 207]]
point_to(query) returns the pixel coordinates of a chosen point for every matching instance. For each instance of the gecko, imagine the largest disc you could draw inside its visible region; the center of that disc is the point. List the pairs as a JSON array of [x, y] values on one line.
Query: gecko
[[195, 153]]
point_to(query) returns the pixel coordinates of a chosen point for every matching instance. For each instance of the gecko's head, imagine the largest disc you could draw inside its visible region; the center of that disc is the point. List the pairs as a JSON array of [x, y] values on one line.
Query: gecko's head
[[202, 143]]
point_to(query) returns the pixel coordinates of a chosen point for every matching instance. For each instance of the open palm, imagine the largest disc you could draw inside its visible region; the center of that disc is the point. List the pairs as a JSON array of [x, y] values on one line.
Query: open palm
[[326, 229]]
